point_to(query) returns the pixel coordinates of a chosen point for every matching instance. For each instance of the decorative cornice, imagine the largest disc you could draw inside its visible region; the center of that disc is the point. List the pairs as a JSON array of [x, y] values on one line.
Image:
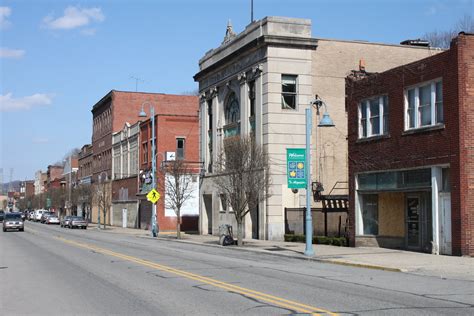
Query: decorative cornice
[[242, 77]]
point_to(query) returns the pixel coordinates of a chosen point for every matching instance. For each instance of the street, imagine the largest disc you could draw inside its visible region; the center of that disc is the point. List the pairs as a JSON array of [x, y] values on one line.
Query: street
[[48, 270]]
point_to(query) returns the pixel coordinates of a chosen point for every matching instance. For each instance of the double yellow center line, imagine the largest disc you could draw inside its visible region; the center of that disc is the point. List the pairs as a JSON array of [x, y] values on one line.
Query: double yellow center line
[[274, 300]]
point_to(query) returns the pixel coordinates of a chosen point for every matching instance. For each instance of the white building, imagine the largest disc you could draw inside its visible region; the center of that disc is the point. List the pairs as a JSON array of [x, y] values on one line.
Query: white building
[[263, 79]]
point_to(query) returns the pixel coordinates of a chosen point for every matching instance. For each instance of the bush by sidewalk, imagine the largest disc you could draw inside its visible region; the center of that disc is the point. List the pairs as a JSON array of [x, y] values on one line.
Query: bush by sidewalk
[[334, 241]]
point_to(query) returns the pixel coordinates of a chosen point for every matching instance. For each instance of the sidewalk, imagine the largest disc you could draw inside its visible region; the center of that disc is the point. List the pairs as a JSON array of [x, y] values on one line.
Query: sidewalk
[[367, 257]]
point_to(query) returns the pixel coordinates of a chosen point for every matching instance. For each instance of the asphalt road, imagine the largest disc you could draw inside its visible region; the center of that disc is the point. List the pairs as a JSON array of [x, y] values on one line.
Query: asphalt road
[[48, 270]]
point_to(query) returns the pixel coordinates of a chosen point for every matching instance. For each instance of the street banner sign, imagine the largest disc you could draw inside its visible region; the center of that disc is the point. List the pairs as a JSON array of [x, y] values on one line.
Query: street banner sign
[[296, 168], [153, 196]]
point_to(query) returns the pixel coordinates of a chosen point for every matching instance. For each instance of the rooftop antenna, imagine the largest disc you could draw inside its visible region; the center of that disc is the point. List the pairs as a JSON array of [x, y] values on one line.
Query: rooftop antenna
[[136, 82], [251, 11]]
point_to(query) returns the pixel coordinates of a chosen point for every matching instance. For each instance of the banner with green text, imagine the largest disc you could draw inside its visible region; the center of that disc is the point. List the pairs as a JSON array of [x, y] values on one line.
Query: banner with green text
[[296, 168]]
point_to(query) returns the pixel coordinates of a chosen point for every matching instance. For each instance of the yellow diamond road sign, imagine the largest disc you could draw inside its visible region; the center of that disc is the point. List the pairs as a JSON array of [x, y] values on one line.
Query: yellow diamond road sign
[[153, 196]]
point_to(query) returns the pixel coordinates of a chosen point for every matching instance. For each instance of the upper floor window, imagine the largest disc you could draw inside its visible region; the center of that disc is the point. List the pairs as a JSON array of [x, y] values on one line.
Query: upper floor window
[[424, 105], [288, 92], [232, 116], [180, 148], [145, 152], [373, 117]]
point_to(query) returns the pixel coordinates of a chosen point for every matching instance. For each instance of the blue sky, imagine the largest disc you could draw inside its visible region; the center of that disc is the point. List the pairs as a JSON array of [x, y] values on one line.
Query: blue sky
[[58, 58]]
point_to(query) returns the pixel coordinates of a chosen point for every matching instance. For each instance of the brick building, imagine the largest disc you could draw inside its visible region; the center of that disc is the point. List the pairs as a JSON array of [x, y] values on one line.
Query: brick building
[[411, 154], [177, 137], [125, 151], [84, 173], [110, 115], [54, 176], [84, 182]]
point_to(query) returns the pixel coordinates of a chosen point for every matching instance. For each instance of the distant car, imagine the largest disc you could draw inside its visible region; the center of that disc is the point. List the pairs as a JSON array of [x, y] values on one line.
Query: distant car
[[31, 215], [77, 221], [45, 216], [65, 221], [13, 221], [52, 219], [37, 215], [2, 215]]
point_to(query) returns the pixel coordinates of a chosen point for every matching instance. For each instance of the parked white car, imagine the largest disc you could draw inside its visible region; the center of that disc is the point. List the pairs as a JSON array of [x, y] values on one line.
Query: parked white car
[[38, 214]]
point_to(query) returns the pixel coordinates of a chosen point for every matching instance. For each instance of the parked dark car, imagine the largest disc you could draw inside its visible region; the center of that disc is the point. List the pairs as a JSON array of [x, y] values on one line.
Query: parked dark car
[[77, 221], [65, 221], [2, 215], [13, 221]]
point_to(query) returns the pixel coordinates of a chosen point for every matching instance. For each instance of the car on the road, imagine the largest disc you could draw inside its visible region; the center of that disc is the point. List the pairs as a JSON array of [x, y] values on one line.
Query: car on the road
[[65, 221], [2, 215], [52, 219], [77, 221], [13, 221], [45, 216], [37, 215]]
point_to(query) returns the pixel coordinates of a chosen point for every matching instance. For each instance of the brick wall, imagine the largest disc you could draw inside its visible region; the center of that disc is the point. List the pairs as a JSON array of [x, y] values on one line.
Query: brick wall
[[466, 123], [169, 127], [453, 144]]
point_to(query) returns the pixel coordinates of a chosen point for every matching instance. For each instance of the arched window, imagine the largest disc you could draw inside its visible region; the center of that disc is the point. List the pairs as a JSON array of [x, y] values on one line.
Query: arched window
[[232, 116], [232, 109]]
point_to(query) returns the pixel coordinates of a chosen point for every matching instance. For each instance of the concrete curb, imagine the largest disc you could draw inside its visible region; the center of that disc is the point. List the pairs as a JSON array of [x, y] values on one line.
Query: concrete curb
[[300, 257]]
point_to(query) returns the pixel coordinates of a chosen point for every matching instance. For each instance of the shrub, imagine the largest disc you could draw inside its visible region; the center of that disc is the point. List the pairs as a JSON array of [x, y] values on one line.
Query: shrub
[[322, 240]]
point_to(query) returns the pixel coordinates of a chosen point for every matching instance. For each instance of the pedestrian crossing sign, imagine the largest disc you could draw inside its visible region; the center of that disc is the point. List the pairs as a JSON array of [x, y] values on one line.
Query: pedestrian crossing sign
[[153, 196]]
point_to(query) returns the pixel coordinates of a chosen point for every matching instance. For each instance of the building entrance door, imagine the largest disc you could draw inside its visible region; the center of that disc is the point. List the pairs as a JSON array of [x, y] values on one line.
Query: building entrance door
[[413, 220], [124, 218], [208, 206], [445, 231]]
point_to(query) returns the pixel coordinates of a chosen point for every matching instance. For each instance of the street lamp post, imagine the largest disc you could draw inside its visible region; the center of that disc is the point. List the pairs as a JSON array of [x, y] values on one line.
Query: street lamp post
[[326, 121], [154, 224]]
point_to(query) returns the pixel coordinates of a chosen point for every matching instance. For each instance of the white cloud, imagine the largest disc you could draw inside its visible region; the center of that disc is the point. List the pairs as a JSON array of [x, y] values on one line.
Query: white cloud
[[4, 14], [11, 53], [8, 103], [74, 17]]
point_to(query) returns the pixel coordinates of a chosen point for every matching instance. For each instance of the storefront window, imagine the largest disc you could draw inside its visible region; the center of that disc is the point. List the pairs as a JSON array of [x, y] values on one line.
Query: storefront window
[[391, 180]]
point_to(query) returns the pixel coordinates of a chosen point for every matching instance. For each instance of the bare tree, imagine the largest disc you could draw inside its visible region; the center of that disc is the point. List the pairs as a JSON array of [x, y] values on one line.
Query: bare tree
[[178, 187], [104, 199], [443, 39], [242, 176]]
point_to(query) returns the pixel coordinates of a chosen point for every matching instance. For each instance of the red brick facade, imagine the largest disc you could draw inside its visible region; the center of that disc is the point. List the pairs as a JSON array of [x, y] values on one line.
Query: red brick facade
[[84, 172], [451, 144], [172, 121]]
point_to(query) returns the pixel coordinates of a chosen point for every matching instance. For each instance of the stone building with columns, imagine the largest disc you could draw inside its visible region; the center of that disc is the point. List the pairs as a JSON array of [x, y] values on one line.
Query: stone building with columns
[[262, 80]]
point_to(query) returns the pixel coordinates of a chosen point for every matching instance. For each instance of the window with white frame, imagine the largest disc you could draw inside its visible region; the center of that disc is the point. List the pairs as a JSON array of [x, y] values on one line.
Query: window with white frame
[[424, 105], [373, 117], [288, 92]]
